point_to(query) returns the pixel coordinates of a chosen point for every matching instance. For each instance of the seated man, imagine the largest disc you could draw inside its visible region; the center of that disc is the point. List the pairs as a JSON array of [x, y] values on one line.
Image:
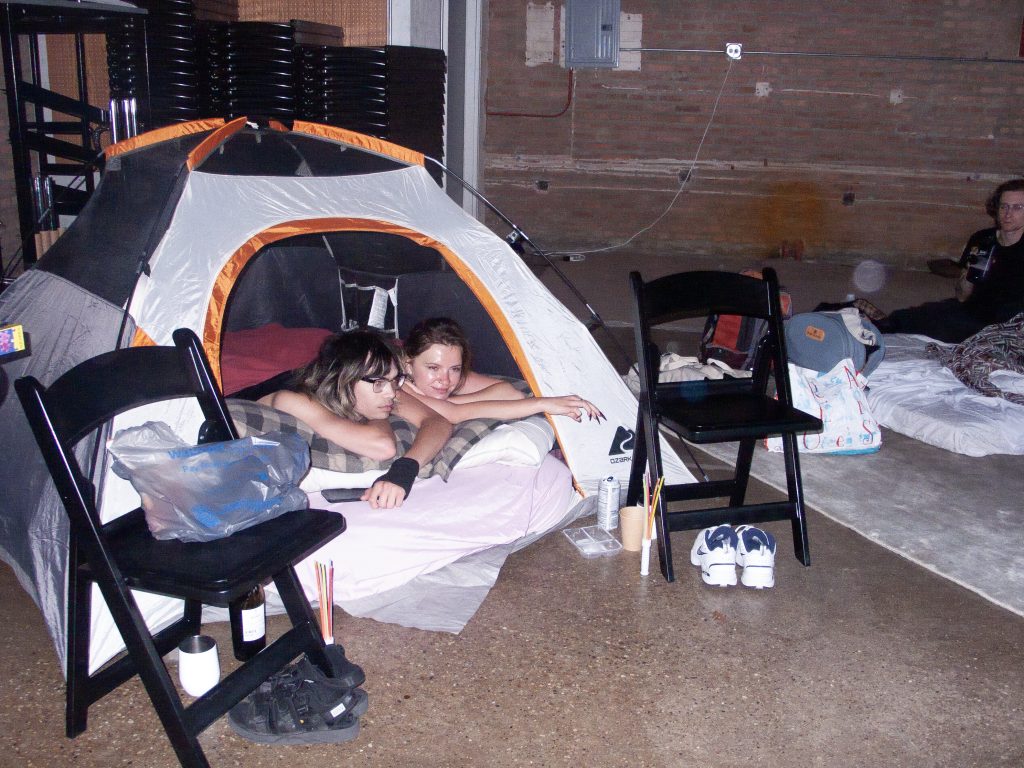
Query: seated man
[[990, 288]]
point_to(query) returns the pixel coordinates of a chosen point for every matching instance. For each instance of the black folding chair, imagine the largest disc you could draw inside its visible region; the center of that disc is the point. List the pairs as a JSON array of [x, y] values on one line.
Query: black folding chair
[[715, 411], [121, 555]]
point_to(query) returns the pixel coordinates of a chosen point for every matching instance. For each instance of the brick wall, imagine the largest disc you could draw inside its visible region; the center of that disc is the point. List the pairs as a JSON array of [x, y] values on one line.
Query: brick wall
[[913, 144]]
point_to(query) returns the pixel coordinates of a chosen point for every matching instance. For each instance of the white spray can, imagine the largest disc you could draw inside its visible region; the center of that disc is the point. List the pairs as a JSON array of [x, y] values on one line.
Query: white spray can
[[608, 504]]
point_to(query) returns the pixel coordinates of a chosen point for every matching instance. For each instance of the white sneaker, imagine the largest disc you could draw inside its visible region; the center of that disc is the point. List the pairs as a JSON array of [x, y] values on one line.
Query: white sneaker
[[755, 552], [715, 552]]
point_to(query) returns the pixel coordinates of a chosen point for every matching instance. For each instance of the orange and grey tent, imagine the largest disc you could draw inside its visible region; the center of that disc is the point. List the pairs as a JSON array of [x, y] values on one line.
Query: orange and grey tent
[[220, 226]]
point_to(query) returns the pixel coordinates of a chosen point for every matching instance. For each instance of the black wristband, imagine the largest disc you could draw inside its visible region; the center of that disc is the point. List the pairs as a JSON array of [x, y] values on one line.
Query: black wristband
[[402, 473]]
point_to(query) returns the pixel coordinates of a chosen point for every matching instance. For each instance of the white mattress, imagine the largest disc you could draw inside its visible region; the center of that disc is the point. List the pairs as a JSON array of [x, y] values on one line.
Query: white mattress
[[430, 563], [916, 396]]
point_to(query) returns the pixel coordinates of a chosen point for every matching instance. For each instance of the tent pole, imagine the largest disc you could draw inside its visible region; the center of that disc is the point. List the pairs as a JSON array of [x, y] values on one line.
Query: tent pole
[[517, 237]]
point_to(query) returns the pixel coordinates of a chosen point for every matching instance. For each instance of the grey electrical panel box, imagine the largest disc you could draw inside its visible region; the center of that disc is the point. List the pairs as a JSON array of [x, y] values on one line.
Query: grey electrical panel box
[[592, 33]]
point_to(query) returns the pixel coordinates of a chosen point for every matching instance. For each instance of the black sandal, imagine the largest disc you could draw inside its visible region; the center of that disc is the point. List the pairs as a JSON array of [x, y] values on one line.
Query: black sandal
[[303, 708]]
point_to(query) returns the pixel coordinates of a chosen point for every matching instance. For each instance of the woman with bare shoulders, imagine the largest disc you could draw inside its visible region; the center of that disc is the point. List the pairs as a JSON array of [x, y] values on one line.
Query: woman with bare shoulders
[[346, 395], [437, 364]]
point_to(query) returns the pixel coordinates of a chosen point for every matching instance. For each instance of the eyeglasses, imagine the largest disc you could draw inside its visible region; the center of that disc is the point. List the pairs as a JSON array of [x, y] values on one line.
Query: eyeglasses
[[378, 382], [1015, 207]]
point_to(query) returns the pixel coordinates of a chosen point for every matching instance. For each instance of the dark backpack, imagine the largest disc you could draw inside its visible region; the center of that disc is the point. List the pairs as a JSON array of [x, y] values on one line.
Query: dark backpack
[[733, 339]]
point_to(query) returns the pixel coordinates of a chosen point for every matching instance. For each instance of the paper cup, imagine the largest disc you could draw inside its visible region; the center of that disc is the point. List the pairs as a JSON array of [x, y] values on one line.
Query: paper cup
[[632, 521]]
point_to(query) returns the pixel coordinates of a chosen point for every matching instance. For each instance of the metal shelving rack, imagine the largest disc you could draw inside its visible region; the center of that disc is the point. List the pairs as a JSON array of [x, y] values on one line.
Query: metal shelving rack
[[41, 145]]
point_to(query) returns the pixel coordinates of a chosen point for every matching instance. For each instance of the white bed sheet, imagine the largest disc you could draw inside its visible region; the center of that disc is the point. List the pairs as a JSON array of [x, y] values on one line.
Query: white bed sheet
[[389, 564], [918, 397]]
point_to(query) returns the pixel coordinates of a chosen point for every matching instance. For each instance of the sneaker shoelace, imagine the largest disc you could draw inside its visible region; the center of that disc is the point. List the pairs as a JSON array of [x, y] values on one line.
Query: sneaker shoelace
[[757, 539], [722, 537]]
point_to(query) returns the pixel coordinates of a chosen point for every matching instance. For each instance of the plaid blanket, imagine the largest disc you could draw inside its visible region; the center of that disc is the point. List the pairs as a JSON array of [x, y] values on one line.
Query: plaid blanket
[[252, 418], [994, 347]]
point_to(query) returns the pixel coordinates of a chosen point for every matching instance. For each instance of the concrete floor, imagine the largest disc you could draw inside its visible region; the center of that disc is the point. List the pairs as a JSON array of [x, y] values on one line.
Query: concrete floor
[[863, 659]]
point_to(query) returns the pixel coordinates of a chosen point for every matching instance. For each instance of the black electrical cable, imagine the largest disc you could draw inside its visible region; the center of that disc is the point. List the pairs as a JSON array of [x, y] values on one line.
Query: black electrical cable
[[837, 55]]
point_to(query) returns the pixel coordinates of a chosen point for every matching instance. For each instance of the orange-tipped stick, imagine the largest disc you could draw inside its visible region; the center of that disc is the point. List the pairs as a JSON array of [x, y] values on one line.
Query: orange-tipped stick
[[649, 533]]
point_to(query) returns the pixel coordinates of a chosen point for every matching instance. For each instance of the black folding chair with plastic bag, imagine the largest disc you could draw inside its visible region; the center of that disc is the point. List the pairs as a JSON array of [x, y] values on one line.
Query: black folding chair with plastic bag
[[121, 555], [716, 411]]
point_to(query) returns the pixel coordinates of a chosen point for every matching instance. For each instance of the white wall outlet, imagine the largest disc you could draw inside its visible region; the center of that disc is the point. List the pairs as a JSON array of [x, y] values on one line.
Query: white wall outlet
[[734, 50], [762, 89]]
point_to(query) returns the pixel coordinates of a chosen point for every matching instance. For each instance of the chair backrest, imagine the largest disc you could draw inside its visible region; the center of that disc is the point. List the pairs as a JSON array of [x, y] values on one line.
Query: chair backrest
[[93, 392], [703, 293]]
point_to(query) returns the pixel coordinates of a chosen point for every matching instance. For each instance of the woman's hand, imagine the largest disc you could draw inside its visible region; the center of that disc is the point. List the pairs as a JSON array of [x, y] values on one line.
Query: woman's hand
[[384, 495], [572, 406]]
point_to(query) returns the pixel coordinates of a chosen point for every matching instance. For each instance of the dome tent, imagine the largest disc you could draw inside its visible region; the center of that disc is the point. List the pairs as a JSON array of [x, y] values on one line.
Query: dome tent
[[200, 225]]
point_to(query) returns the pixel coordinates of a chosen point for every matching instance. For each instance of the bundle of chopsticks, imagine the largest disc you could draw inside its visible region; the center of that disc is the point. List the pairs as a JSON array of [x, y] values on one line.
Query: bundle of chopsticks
[[650, 531], [325, 594]]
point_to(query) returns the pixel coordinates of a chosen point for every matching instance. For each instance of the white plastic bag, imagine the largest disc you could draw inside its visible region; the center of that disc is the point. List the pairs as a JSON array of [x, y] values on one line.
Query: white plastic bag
[[206, 492], [674, 367], [836, 397]]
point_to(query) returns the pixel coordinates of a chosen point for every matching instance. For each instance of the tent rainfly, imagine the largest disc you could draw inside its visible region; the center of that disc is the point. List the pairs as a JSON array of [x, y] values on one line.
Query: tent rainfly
[[219, 226]]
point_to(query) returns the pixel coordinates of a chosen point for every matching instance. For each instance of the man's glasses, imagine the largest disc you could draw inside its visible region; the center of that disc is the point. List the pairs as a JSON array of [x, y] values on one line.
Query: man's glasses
[[378, 382], [1015, 207]]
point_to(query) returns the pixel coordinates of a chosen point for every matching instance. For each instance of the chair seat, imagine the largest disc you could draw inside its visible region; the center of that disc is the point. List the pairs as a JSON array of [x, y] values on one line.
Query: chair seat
[[729, 416], [122, 555], [217, 572], [733, 409]]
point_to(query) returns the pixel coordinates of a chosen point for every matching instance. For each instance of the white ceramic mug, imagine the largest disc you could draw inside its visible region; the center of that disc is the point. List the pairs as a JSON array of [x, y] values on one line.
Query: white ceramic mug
[[198, 664]]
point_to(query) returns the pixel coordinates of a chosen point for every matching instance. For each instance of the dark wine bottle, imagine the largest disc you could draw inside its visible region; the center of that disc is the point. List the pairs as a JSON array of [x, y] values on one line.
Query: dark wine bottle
[[248, 624]]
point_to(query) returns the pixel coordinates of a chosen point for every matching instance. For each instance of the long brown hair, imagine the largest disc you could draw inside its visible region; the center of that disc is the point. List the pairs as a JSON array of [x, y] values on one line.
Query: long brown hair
[[443, 331], [344, 359]]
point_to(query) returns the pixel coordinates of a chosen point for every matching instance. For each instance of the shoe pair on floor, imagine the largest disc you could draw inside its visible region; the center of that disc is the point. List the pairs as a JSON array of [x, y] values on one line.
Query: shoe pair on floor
[[720, 548], [302, 705]]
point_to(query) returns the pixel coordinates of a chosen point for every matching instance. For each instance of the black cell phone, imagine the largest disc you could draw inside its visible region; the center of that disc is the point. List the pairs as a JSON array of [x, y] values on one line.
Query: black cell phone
[[337, 495]]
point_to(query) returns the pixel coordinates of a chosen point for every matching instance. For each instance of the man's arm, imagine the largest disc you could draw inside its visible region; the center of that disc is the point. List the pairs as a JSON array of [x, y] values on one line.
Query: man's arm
[[373, 439], [964, 287], [432, 432]]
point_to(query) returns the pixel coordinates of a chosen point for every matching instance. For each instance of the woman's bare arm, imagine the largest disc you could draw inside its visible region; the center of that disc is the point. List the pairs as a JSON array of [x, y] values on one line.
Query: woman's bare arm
[[373, 439], [573, 406], [479, 386], [499, 390]]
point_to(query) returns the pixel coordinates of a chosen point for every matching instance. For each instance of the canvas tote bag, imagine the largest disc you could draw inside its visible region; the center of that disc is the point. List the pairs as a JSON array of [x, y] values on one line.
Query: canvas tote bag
[[837, 397]]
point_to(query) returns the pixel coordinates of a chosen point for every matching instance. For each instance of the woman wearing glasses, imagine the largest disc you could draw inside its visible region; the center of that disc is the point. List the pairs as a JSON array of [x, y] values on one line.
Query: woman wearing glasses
[[990, 288], [346, 395], [437, 364]]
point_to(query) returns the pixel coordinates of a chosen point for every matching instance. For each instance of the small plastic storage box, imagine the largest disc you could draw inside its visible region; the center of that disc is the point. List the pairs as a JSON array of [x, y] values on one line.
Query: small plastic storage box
[[593, 541]]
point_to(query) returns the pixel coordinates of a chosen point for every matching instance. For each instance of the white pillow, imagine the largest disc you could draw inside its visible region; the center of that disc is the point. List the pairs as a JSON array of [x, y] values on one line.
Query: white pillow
[[318, 479], [522, 443]]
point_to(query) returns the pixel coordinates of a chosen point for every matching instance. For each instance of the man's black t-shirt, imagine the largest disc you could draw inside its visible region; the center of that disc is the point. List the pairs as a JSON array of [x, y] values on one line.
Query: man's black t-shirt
[[999, 294]]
